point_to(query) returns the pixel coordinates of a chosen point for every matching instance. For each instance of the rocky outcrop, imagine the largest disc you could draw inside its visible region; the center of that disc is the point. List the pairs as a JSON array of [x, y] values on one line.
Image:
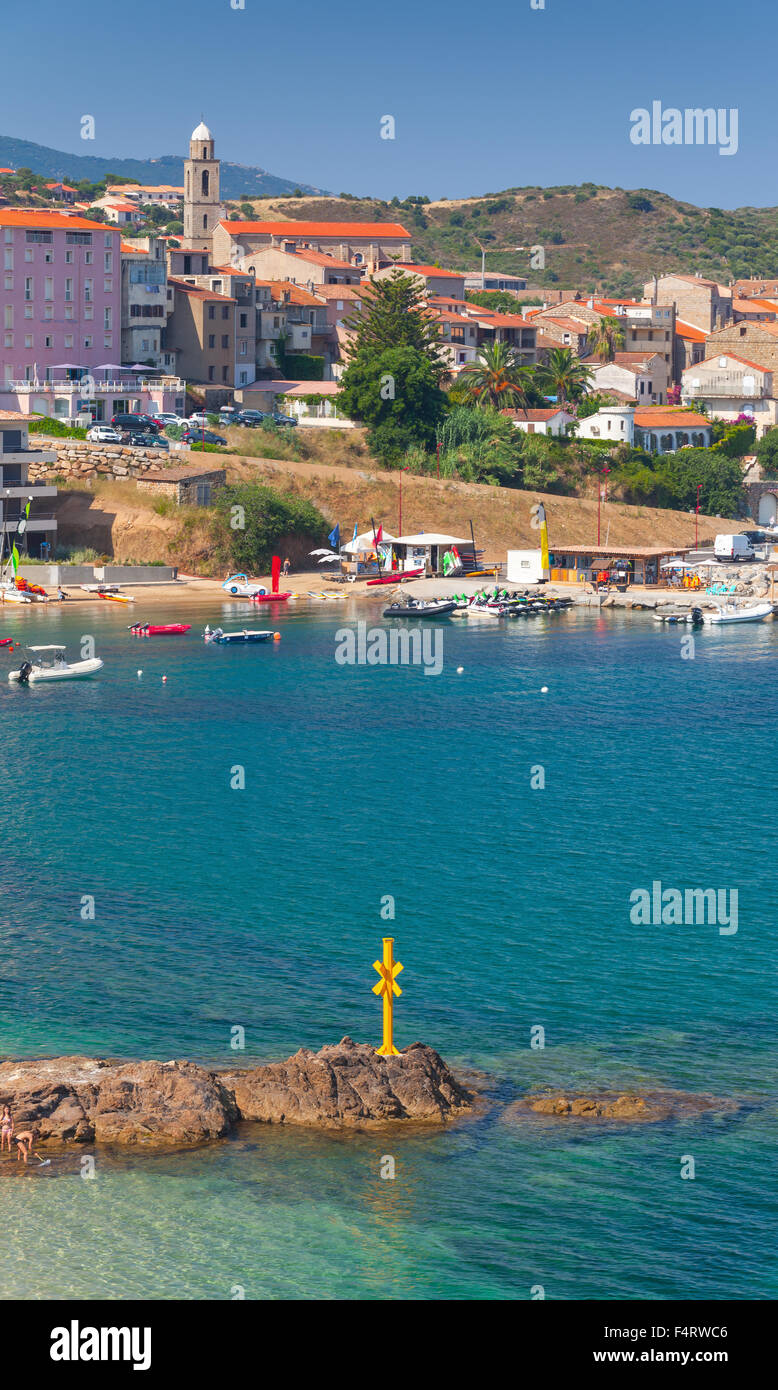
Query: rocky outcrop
[[82, 1100], [613, 1105], [348, 1084]]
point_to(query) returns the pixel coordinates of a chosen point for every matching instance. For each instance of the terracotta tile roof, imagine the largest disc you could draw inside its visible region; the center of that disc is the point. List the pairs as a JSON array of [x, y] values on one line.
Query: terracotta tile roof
[[379, 230], [569, 325], [490, 318], [13, 414], [304, 253], [688, 330], [547, 413], [46, 219], [632, 361], [66, 188], [669, 417], [197, 292], [296, 294], [431, 271], [338, 292]]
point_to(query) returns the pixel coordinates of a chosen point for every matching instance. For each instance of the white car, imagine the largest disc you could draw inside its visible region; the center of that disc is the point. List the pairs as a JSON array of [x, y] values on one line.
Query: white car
[[103, 434], [197, 421], [166, 418]]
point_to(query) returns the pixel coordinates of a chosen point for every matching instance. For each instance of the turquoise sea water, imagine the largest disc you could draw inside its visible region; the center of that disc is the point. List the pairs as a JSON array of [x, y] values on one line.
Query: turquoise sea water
[[218, 907]]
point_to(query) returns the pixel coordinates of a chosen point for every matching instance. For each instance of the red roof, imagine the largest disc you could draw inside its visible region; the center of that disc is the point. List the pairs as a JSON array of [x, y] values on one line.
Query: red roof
[[197, 292], [380, 230], [431, 271], [321, 258], [547, 413], [668, 417], [688, 330], [47, 219]]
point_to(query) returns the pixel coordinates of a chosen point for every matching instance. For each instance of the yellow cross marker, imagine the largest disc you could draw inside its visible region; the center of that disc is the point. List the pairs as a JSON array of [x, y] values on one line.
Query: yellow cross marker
[[388, 969]]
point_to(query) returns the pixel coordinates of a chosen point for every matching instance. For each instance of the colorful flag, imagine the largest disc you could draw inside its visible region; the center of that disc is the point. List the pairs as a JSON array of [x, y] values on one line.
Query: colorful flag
[[14, 558], [353, 538], [543, 537], [379, 534], [334, 536]]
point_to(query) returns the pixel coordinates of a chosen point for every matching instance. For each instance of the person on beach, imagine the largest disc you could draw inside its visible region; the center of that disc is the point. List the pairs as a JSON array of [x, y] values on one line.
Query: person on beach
[[61, 595], [6, 1128], [287, 566], [24, 1139]]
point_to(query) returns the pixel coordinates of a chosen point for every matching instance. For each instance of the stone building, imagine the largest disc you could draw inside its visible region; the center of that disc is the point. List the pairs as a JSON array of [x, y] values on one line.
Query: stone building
[[201, 331], [202, 208], [703, 303], [191, 485], [756, 341]]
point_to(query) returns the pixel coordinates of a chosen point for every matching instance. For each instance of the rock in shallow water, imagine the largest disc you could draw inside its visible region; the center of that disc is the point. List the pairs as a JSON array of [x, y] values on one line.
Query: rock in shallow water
[[615, 1105], [169, 1104]]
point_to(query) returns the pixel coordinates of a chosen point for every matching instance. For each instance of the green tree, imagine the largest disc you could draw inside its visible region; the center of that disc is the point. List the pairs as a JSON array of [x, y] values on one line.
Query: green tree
[[564, 375], [766, 450], [606, 338], [396, 394], [394, 314], [271, 517], [495, 378]]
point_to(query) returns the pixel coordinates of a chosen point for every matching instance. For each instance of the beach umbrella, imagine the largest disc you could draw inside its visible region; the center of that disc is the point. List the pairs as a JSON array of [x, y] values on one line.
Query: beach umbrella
[[327, 559]]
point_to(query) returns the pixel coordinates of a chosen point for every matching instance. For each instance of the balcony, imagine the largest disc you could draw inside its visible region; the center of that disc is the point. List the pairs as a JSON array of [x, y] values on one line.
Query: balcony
[[737, 386]]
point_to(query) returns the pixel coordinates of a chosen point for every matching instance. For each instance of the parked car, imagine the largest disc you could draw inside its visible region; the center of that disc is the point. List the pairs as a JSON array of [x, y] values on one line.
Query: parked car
[[280, 419], [733, 547], [200, 436], [250, 418], [168, 418], [134, 422], [103, 434], [198, 420], [756, 537], [147, 440]]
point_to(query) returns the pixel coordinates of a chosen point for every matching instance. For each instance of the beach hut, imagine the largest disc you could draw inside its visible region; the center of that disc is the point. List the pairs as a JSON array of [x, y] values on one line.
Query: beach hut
[[426, 550], [361, 557]]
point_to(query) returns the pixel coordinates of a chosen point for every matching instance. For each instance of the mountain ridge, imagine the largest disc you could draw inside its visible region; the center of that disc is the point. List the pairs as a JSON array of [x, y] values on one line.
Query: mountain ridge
[[237, 180]]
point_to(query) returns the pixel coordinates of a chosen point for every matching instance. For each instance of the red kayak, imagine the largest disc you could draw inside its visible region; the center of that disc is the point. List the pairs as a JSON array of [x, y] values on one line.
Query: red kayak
[[397, 577], [158, 629], [270, 598], [6, 641]]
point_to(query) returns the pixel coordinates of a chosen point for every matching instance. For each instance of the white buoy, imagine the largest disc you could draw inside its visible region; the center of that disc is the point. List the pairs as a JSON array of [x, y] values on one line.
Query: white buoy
[[460, 669], [140, 673], [544, 689], [164, 678]]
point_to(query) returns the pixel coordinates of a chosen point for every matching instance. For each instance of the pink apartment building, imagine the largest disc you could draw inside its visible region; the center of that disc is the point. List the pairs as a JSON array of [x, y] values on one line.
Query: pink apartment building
[[60, 301]]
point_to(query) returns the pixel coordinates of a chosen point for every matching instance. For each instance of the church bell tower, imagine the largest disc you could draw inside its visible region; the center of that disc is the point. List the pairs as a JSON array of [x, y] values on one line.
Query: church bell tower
[[202, 209]]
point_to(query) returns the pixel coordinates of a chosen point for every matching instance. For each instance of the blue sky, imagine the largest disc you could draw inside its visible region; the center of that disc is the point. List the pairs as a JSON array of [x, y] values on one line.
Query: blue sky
[[484, 97]]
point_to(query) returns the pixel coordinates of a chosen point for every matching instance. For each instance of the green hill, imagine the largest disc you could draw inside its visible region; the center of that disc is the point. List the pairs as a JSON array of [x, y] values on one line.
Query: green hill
[[606, 239], [237, 180]]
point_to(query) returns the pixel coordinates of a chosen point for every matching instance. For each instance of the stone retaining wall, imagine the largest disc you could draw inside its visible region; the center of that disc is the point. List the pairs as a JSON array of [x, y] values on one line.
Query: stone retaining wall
[[78, 460]]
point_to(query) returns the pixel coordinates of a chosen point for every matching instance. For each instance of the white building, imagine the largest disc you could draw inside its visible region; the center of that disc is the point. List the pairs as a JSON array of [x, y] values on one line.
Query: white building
[[613, 424], [729, 386]]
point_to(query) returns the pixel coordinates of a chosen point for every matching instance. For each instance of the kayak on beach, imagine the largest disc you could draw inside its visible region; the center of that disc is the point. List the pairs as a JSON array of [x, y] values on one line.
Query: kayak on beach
[[397, 577], [157, 629]]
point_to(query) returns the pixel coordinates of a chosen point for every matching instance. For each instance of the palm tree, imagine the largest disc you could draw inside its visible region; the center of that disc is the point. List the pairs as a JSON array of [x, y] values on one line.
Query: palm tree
[[606, 338], [496, 378], [564, 375]]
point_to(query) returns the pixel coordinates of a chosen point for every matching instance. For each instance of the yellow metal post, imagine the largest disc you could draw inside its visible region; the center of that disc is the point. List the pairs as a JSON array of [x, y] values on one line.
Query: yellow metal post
[[387, 986]]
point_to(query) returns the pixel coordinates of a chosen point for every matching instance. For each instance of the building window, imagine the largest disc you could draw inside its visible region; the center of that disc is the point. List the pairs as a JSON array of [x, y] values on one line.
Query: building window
[[68, 258], [108, 284], [205, 223], [108, 340], [8, 341], [224, 373], [225, 311], [211, 373], [108, 261], [78, 238], [244, 318], [48, 287], [108, 317], [212, 340], [211, 311], [204, 183], [69, 290], [48, 341], [46, 237], [107, 238], [29, 255], [28, 311], [225, 340], [88, 258], [9, 282], [87, 342], [28, 287], [68, 340]]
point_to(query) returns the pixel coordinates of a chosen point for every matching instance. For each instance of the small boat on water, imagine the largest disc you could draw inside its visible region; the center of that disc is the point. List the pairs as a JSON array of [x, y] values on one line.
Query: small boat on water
[[50, 664], [693, 617], [730, 613], [419, 608], [158, 629], [228, 638]]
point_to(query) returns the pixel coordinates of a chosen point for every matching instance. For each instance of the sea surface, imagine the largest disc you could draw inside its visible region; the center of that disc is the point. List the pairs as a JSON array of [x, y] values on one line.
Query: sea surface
[[260, 908]]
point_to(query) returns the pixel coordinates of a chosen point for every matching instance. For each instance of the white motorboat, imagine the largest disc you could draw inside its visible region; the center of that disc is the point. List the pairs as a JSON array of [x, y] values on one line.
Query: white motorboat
[[49, 664], [731, 613]]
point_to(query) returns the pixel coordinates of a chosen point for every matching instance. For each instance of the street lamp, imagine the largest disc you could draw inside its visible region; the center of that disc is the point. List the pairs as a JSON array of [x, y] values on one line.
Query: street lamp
[[697, 515]]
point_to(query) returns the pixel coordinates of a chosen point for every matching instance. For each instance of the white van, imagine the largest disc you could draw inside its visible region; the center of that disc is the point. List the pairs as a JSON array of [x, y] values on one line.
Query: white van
[[733, 548]]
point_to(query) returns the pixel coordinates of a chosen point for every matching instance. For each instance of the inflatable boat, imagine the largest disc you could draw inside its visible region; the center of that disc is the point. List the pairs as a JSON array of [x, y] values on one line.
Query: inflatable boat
[[439, 608], [227, 638]]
